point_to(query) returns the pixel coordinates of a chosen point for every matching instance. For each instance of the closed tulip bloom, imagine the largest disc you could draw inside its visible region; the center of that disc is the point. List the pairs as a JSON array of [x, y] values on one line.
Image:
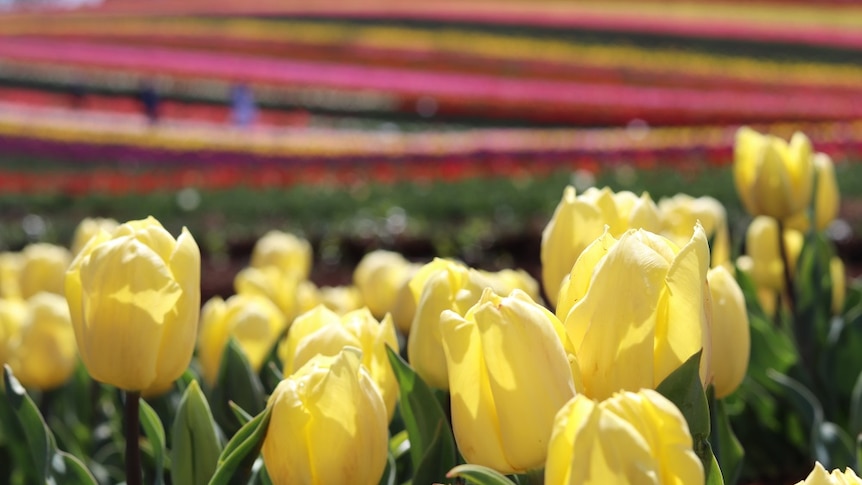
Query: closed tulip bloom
[[632, 332], [729, 332], [322, 331], [14, 314], [255, 322], [454, 287], [328, 425], [379, 276], [287, 252], [134, 298], [45, 354], [763, 259], [629, 438], [681, 212], [10, 275], [279, 287], [89, 227], [773, 178], [819, 476], [509, 373], [43, 268], [579, 220]]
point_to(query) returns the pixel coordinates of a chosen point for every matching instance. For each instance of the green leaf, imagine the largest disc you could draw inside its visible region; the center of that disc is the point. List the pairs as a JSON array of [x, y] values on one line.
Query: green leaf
[[70, 470], [270, 376], [425, 422], [238, 456], [683, 388], [479, 475], [713, 472], [236, 382], [36, 435], [855, 424], [770, 349], [241, 416], [155, 433], [726, 447], [390, 473], [399, 444], [196, 445]]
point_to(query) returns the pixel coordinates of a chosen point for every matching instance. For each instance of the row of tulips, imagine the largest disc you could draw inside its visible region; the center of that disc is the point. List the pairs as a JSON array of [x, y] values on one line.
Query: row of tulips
[[455, 94], [448, 49], [625, 375]]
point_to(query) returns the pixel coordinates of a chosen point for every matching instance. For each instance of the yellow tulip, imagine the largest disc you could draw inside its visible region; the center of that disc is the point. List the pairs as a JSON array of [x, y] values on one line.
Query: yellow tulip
[[819, 476], [341, 299], [579, 220], [43, 268], [13, 316], [629, 438], [288, 253], [45, 355], [322, 331], [255, 322], [763, 256], [508, 280], [379, 276], [681, 212], [450, 286], [773, 178], [279, 287], [632, 332], [839, 284], [134, 298], [509, 374], [89, 227], [729, 332], [328, 425], [10, 275], [826, 196]]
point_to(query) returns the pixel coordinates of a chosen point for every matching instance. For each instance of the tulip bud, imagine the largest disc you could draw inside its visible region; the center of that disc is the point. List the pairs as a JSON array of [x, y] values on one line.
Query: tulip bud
[[379, 277], [773, 178], [819, 476], [322, 331], [288, 253], [764, 262], [451, 286], [10, 275], [839, 284], [630, 333], [45, 356], [508, 280], [43, 268], [279, 287], [255, 322], [134, 298], [629, 438], [328, 425], [681, 212], [501, 355], [89, 227], [826, 196], [729, 332], [578, 221]]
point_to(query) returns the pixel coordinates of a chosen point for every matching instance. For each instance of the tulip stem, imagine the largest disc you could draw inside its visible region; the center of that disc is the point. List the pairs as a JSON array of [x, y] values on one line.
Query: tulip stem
[[133, 445], [789, 287]]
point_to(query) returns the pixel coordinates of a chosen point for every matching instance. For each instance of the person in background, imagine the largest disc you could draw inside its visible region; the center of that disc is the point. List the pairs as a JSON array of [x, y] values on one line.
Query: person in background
[[243, 109], [150, 101]]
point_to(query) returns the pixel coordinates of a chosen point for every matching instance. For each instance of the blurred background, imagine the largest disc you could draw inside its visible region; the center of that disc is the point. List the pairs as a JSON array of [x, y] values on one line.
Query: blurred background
[[431, 128]]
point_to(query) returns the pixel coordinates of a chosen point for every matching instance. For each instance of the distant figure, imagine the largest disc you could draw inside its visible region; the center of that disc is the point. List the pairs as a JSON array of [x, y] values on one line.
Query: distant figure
[[150, 101], [243, 110], [77, 94]]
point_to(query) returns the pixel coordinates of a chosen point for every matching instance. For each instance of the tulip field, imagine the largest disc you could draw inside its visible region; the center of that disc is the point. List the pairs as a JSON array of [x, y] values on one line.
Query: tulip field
[[386, 243]]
